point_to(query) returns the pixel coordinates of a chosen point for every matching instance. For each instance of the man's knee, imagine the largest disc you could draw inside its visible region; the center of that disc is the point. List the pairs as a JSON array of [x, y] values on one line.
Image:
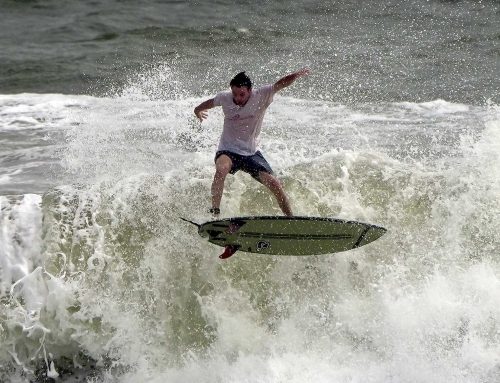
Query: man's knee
[[223, 166], [270, 181]]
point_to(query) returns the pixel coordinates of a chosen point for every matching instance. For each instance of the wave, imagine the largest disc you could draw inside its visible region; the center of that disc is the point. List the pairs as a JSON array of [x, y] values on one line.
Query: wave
[[100, 277]]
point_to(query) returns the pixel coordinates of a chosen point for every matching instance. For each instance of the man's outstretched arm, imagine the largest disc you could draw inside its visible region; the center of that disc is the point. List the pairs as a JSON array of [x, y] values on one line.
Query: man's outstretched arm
[[201, 110], [289, 79]]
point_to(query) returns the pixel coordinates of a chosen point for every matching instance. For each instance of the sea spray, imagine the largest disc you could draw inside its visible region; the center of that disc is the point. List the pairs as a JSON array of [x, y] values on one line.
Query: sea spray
[[114, 285]]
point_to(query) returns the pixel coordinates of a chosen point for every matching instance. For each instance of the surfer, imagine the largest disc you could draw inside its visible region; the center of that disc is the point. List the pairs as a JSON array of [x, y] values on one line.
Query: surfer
[[244, 109]]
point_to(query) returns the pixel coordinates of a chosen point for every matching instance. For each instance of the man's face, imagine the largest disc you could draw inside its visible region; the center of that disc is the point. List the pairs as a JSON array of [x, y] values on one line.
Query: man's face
[[241, 94]]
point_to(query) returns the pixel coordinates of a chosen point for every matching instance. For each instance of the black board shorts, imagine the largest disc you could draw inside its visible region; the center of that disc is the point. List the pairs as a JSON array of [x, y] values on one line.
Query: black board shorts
[[250, 164]]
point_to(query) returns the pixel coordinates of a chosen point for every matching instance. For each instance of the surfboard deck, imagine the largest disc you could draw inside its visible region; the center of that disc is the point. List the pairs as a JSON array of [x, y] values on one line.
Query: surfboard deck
[[280, 235]]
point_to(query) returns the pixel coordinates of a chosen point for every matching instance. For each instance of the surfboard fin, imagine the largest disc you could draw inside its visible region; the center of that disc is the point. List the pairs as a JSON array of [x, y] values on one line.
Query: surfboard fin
[[229, 250]]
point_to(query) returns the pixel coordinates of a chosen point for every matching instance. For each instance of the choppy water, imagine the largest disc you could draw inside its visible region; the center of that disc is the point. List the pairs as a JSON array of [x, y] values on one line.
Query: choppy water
[[398, 125], [415, 50]]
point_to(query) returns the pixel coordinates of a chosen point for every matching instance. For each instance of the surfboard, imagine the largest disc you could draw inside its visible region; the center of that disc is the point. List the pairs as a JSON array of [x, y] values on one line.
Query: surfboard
[[280, 235]]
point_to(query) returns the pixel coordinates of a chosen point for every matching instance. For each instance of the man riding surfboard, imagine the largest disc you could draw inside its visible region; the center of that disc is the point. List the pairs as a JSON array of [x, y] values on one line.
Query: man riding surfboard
[[244, 109]]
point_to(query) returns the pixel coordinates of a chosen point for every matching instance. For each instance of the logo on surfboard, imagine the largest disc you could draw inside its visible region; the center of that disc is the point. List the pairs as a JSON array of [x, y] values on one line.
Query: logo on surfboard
[[263, 245]]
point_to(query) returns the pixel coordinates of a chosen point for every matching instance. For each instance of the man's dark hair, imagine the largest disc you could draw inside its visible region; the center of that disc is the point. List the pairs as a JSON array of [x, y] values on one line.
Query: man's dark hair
[[241, 79]]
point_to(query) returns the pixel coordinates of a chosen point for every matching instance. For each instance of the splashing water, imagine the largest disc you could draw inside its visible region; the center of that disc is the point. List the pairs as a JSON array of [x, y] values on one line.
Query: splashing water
[[99, 275]]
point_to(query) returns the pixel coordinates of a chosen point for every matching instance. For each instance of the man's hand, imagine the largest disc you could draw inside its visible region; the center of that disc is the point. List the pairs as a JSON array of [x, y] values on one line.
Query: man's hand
[[201, 110], [202, 114], [302, 72]]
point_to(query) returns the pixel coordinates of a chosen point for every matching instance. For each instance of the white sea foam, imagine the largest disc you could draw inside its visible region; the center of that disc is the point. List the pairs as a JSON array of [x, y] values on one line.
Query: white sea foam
[[20, 238], [104, 273]]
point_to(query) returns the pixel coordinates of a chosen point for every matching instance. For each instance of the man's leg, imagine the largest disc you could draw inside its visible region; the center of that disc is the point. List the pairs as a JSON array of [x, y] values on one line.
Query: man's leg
[[273, 184], [223, 166]]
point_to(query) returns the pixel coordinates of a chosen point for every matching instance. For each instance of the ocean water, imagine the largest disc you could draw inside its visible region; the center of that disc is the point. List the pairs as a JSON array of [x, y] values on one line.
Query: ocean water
[[100, 154]]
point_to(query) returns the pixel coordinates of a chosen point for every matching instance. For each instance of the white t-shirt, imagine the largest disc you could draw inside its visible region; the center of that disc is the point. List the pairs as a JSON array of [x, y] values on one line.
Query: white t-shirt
[[242, 125]]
